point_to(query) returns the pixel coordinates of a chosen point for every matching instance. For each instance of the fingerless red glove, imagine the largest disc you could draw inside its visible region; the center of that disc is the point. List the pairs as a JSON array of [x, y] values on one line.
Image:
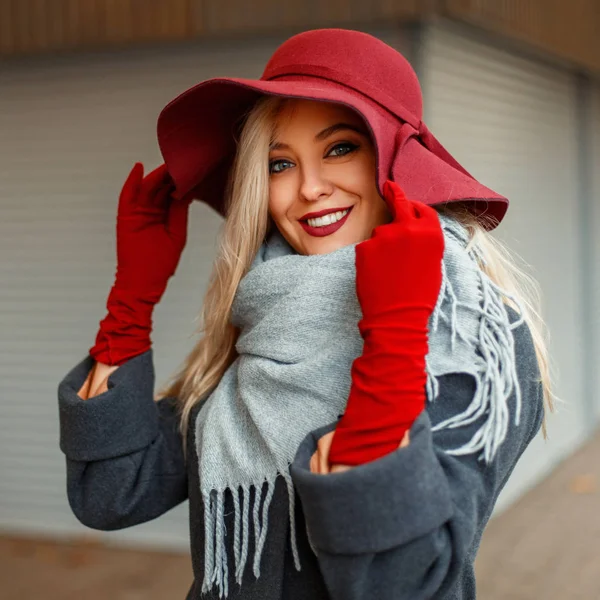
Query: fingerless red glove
[[398, 279], [151, 234]]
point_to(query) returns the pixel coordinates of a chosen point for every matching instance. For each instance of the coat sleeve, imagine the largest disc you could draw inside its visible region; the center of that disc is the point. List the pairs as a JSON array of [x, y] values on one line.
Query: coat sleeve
[[406, 525], [125, 462]]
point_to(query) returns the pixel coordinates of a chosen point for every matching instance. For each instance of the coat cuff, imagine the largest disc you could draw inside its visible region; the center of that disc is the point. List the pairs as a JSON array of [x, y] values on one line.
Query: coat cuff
[[376, 506], [120, 421]]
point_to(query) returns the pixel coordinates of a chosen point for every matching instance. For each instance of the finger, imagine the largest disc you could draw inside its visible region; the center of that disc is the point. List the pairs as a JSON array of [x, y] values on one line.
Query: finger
[[323, 462], [156, 177], [396, 200], [160, 197], [428, 216], [339, 468], [156, 187], [422, 210], [325, 446], [131, 189], [314, 465], [405, 440]]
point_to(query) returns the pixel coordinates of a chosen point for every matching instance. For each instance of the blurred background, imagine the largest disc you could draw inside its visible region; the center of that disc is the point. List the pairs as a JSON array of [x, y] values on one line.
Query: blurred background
[[511, 88]]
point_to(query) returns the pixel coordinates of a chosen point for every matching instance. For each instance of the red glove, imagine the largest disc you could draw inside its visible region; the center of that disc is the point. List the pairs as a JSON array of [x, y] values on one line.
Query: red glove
[[151, 234], [398, 279]]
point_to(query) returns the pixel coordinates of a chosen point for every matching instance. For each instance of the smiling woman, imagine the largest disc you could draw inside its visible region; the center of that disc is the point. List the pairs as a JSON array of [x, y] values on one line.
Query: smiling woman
[[371, 366], [323, 177]]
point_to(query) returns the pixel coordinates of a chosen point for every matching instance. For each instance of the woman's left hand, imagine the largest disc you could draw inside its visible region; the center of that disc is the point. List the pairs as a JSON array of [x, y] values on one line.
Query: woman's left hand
[[319, 462], [398, 281]]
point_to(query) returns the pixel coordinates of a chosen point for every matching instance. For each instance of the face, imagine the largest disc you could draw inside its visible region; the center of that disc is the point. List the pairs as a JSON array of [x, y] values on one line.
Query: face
[[322, 193]]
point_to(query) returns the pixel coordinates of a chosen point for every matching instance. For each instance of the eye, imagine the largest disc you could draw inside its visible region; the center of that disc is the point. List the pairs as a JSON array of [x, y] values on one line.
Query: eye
[[342, 149], [279, 165]]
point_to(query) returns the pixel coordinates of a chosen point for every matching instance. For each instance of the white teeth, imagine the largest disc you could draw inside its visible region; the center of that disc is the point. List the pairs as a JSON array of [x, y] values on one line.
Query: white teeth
[[328, 219]]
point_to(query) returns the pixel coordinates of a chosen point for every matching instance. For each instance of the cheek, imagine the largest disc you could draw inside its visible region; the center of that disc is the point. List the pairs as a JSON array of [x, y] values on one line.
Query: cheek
[[359, 175], [283, 194], [361, 180], [366, 180], [277, 201]]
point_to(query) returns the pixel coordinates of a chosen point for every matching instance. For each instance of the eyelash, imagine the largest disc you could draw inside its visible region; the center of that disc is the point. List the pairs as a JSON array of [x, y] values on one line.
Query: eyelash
[[350, 145]]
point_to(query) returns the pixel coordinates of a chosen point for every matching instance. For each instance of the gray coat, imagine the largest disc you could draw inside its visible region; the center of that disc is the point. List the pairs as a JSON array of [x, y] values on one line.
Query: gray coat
[[406, 526]]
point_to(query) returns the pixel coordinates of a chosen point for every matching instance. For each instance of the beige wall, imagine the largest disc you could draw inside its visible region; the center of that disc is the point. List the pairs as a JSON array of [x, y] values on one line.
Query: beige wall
[[512, 122], [569, 29], [34, 26], [564, 29]]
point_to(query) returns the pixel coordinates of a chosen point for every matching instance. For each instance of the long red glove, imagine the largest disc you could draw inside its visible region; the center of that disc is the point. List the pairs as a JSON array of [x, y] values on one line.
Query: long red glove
[[151, 235], [398, 279]]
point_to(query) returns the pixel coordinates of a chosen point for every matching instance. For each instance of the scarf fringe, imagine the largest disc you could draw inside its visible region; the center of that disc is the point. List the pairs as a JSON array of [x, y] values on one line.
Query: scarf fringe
[[496, 373], [216, 568], [483, 324]]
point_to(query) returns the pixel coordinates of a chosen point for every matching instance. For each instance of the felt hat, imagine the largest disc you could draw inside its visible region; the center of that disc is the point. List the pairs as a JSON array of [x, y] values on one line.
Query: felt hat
[[197, 131]]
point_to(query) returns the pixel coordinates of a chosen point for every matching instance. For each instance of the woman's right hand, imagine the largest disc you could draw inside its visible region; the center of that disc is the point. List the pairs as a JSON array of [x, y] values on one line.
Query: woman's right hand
[[151, 235]]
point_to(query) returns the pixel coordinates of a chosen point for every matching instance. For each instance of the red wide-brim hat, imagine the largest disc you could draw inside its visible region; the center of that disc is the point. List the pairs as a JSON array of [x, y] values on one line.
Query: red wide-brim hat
[[197, 131]]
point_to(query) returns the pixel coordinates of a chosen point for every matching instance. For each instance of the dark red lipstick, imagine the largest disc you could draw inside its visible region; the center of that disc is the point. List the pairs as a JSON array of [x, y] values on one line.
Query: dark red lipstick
[[322, 213], [326, 229]]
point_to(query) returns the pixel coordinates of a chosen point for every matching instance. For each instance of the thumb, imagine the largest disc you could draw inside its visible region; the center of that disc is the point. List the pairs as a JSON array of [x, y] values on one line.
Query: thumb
[[131, 189], [155, 179], [156, 187], [396, 200]]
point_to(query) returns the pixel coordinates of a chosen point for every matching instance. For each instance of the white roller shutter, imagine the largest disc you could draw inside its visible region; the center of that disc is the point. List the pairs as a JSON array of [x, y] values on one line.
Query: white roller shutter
[[595, 262], [511, 122], [70, 130]]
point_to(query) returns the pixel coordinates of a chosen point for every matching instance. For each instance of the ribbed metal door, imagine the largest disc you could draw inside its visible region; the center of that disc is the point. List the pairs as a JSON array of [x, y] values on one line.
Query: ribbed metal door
[[70, 130], [511, 122], [594, 163]]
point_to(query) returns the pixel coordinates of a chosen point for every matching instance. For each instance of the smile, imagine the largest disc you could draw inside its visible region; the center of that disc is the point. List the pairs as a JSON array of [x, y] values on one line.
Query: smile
[[320, 225], [328, 219]]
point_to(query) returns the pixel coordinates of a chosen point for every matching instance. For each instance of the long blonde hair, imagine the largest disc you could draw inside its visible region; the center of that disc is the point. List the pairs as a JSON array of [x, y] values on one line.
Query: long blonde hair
[[244, 230]]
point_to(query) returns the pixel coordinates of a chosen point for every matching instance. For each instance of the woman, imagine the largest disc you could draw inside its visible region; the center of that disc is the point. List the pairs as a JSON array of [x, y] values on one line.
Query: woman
[[398, 434]]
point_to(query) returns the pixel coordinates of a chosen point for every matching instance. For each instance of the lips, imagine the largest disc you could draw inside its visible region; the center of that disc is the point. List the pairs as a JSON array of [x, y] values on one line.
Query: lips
[[326, 229], [322, 213]]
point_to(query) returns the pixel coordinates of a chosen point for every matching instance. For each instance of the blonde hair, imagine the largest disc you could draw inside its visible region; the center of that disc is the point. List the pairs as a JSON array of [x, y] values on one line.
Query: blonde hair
[[244, 230], [503, 267]]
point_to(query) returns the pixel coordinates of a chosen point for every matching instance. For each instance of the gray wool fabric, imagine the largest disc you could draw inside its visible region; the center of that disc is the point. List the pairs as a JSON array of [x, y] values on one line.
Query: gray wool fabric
[[404, 527], [298, 317]]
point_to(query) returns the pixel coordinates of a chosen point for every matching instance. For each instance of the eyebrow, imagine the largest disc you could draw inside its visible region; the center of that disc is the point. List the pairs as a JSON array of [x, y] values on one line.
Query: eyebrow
[[323, 135]]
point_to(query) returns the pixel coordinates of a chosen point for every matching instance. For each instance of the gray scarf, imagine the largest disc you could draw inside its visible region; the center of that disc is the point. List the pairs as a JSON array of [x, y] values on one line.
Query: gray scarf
[[298, 319]]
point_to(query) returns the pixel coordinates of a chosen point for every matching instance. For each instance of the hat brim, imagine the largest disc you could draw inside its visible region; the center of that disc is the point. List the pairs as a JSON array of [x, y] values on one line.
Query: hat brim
[[198, 132]]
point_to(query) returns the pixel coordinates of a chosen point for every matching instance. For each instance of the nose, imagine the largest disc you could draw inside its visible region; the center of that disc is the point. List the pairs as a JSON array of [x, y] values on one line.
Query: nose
[[314, 185]]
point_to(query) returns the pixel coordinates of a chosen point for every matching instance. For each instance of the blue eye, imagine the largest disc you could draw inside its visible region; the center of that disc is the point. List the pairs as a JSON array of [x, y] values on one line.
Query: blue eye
[[342, 149], [277, 166]]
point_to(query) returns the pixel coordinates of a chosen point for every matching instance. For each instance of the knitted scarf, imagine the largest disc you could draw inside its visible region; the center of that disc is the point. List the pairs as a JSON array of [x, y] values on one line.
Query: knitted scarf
[[298, 319]]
